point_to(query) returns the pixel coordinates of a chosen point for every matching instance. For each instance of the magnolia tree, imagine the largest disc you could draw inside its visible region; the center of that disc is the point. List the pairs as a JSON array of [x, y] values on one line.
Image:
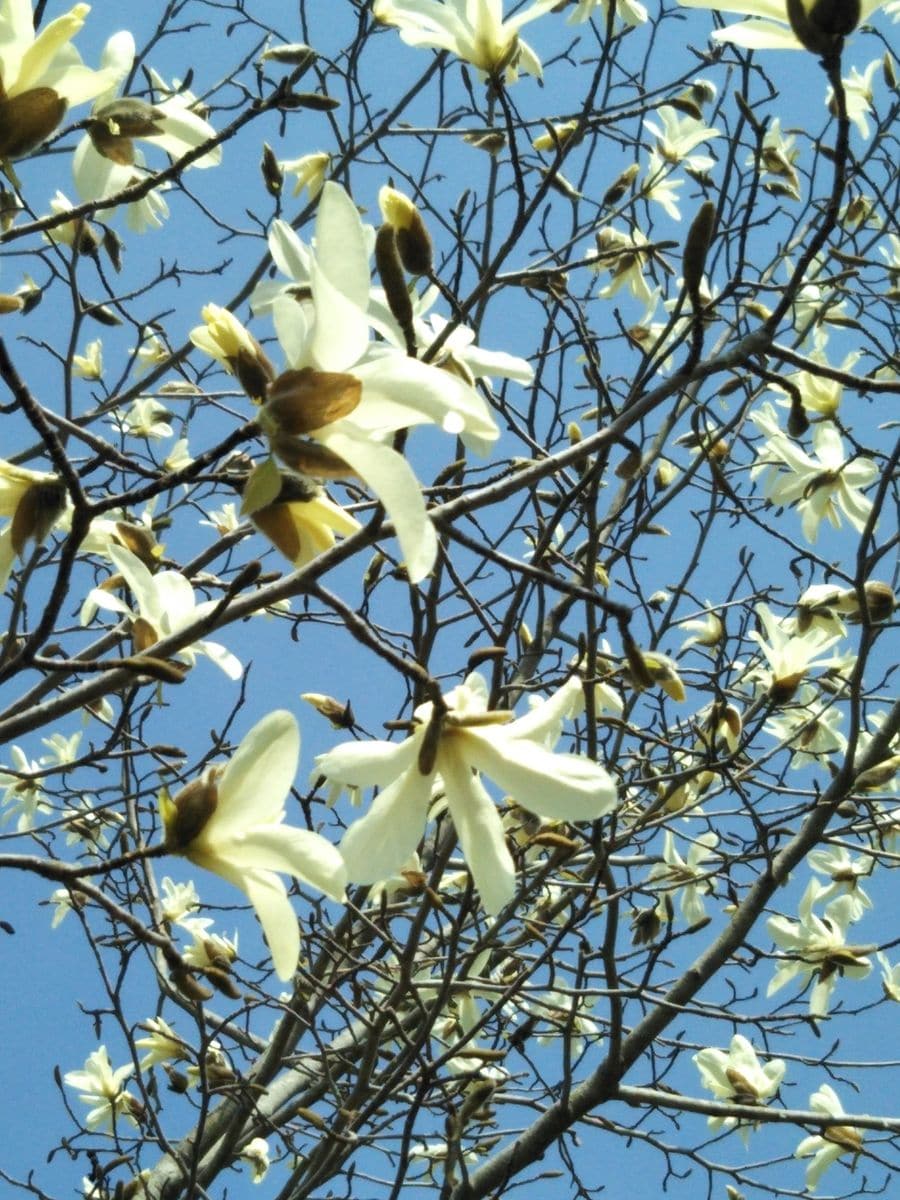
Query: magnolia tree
[[514, 418]]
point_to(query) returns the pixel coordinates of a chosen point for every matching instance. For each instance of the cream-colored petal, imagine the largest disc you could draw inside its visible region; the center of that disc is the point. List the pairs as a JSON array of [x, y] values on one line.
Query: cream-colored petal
[[379, 843], [258, 777], [307, 856], [479, 828]]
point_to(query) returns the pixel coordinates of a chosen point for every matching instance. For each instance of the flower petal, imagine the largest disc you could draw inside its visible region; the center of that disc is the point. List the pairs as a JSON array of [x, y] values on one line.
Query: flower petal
[[479, 828], [299, 852], [376, 845], [258, 777]]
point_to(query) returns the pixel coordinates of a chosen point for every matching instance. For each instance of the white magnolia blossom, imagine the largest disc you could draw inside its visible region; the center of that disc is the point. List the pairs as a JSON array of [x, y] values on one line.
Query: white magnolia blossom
[[90, 364], [23, 797], [624, 255], [166, 606], [679, 136], [473, 30], [845, 873], [46, 59], [231, 822], [162, 1043], [779, 153], [207, 948], [821, 487], [63, 750], [659, 186], [562, 1015], [768, 27], [834, 1140], [256, 1153], [439, 757], [177, 899], [858, 90], [101, 1089], [145, 418], [789, 655], [309, 171], [690, 877], [736, 1077], [816, 947], [329, 333], [890, 977], [102, 173], [817, 393], [810, 727]]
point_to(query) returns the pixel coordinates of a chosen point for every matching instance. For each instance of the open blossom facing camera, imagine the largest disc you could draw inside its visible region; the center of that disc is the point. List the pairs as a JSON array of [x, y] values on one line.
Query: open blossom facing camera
[[107, 160], [231, 821], [473, 30], [816, 947], [736, 1076], [447, 752]]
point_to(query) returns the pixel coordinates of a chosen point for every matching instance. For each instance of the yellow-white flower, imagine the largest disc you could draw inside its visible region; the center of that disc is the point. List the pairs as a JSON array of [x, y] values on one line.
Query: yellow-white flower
[[473, 30], [101, 1089], [90, 364], [309, 171], [834, 1140], [231, 822], [768, 27], [736, 1077], [446, 753]]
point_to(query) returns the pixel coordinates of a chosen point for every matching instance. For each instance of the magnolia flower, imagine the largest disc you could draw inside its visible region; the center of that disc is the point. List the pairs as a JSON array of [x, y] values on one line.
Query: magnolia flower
[[22, 794], [736, 1077], [231, 822], [809, 727], [207, 948], [90, 364], [223, 520], [33, 500], [350, 397], [624, 255], [178, 457], [41, 75], [679, 136], [166, 606], [769, 28], [778, 154], [177, 899], [688, 876], [145, 418], [101, 1087], [458, 353], [890, 977], [256, 1153], [448, 743], [845, 873], [224, 338], [309, 172], [63, 750], [817, 393], [106, 160], [162, 1043], [858, 91], [833, 1141], [706, 631], [661, 187], [473, 30], [300, 519], [565, 1015], [821, 487], [789, 655], [817, 947]]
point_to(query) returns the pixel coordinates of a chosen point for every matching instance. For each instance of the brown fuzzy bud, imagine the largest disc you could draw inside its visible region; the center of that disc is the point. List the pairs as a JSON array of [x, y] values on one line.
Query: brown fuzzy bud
[[390, 272], [614, 194], [340, 715], [272, 174], [29, 119], [696, 248]]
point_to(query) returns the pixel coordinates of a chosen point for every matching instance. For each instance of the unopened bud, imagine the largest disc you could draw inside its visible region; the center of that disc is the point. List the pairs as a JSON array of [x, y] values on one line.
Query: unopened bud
[[413, 240], [273, 176], [340, 715], [393, 280], [696, 247], [618, 189], [880, 602]]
